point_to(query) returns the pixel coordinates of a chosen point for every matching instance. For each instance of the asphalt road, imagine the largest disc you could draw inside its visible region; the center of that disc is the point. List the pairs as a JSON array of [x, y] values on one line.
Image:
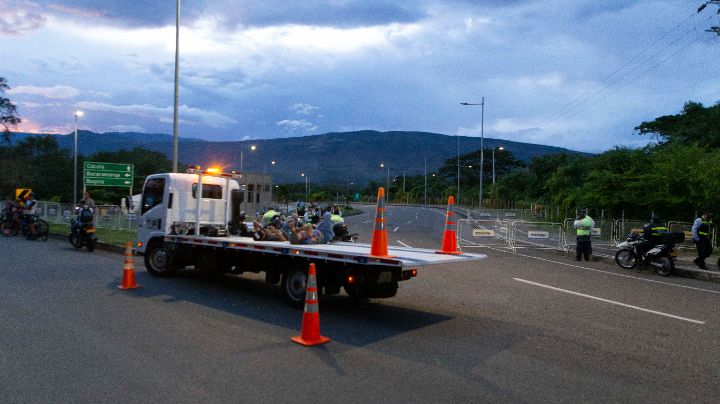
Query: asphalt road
[[528, 327]]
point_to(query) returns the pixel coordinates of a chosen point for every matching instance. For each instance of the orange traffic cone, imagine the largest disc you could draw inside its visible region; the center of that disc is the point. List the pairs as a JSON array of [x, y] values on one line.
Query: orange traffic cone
[[128, 269], [310, 333], [449, 242], [379, 243]]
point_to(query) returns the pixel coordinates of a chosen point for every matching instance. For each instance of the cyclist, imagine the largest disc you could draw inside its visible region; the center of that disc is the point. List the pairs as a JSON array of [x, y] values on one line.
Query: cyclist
[[30, 216]]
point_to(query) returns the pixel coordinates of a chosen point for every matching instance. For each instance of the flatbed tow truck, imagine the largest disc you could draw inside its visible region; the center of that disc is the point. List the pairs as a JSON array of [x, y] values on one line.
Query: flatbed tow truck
[[171, 238]]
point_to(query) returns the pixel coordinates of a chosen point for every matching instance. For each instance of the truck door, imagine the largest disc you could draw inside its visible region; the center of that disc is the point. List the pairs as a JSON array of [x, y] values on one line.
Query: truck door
[[152, 210]]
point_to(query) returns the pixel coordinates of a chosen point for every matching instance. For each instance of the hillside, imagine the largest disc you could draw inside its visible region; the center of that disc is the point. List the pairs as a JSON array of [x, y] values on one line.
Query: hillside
[[328, 158]]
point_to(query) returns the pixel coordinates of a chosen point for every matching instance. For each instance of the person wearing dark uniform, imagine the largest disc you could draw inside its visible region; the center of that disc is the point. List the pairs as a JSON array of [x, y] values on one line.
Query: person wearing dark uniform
[[652, 233], [701, 237]]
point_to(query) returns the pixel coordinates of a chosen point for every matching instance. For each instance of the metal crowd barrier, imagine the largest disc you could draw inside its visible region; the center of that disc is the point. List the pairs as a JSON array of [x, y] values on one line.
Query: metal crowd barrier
[[106, 216]]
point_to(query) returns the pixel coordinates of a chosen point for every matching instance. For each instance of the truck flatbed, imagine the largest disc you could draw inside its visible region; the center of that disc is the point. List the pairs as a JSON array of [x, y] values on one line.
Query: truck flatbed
[[350, 253]]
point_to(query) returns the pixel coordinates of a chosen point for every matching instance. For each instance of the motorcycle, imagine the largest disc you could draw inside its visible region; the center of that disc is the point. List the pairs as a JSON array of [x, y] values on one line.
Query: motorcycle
[[661, 257], [343, 234], [82, 231]]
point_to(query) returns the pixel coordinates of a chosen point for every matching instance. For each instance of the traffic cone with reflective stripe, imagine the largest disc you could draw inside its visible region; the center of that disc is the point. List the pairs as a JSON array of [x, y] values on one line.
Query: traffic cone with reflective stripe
[[128, 269], [449, 242], [310, 333], [379, 243]]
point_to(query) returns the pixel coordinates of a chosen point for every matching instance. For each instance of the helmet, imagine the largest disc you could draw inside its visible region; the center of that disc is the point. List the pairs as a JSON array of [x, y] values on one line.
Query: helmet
[[581, 212]]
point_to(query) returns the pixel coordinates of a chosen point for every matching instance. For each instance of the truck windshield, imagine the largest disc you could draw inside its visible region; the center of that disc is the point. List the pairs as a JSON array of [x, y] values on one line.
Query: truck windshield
[[152, 194]]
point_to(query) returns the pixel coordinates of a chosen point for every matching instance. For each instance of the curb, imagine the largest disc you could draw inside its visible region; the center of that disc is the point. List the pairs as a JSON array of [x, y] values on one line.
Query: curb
[[100, 245]]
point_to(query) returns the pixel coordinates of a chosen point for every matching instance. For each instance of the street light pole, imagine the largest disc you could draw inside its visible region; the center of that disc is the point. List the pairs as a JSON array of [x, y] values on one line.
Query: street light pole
[[306, 186], [493, 157], [425, 172], [482, 147], [175, 103], [387, 188], [78, 113], [252, 148]]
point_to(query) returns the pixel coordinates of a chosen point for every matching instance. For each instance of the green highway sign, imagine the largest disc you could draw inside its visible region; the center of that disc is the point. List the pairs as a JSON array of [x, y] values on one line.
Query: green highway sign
[[107, 174]]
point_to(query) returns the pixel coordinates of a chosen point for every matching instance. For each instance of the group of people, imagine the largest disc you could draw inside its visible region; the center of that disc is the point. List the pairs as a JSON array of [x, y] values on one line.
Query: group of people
[[17, 211], [652, 234], [311, 225]]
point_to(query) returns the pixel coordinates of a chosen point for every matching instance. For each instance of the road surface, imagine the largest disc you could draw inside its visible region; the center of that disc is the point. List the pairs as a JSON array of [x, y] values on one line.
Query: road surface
[[527, 327]]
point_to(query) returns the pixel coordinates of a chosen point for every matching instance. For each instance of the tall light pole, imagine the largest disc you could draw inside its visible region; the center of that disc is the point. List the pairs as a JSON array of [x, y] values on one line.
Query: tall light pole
[[425, 172], [493, 155], [387, 189], [252, 149], [306, 186], [482, 147], [177, 75], [78, 113]]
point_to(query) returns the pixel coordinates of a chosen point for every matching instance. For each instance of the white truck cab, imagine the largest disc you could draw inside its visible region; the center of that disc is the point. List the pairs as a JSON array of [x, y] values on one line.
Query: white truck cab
[[169, 204]]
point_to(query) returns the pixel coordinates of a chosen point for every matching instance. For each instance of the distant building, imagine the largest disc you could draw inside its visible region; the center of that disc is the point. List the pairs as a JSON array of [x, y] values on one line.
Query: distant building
[[255, 192]]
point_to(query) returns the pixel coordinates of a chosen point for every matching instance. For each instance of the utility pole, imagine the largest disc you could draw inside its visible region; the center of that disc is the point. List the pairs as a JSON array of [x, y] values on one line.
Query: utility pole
[[175, 103]]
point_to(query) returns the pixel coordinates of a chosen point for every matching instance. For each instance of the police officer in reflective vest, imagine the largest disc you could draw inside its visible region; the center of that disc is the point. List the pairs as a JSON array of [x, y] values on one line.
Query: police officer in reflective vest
[[701, 236], [652, 233], [583, 224]]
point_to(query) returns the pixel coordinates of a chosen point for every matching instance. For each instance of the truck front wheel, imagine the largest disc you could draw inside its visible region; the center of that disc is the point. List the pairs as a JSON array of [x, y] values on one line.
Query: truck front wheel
[[157, 261], [294, 284]]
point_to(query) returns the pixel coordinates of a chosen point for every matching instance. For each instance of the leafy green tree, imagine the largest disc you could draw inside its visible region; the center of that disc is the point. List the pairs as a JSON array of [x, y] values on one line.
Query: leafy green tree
[[8, 111], [696, 124]]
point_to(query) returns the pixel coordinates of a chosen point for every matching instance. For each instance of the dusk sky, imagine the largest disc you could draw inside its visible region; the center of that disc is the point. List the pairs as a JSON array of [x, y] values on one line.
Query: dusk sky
[[570, 73]]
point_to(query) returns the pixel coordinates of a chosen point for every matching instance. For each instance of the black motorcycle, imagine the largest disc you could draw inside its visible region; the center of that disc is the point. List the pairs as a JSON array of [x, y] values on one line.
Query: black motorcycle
[[661, 256], [343, 234], [82, 231]]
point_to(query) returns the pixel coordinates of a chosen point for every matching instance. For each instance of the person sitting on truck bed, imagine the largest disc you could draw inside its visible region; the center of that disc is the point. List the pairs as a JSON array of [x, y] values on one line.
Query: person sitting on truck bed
[[269, 215], [326, 227], [269, 233], [311, 235]]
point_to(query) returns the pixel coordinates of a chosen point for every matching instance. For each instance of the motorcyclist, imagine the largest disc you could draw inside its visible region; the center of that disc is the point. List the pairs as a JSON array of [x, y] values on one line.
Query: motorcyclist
[[326, 226], [652, 233], [269, 216]]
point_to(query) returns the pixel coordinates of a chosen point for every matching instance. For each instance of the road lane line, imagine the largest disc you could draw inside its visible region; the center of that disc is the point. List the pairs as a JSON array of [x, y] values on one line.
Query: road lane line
[[409, 222], [404, 244], [660, 313], [395, 229], [367, 221], [607, 272]]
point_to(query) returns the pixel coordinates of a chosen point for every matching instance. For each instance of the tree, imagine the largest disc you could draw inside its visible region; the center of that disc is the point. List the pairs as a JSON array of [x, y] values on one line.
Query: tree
[[696, 124], [8, 111]]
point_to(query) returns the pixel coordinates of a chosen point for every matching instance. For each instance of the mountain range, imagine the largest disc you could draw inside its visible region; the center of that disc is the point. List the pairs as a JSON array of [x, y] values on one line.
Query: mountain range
[[331, 158]]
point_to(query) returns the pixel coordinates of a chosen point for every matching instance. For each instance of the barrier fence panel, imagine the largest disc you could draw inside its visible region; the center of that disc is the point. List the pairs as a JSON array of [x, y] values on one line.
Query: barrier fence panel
[[683, 227], [538, 235], [625, 228], [499, 214], [484, 233]]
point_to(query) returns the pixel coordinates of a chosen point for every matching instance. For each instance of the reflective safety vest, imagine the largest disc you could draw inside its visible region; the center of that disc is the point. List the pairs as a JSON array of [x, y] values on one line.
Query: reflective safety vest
[[585, 228], [335, 219], [268, 216], [658, 230], [704, 229]]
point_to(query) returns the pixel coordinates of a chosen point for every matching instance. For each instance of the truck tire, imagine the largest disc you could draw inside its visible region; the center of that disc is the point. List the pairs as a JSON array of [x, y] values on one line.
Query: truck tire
[[156, 260], [294, 283]]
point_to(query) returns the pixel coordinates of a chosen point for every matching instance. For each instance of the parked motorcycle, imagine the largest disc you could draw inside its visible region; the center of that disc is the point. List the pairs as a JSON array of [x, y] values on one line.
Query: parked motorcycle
[[661, 257], [82, 230]]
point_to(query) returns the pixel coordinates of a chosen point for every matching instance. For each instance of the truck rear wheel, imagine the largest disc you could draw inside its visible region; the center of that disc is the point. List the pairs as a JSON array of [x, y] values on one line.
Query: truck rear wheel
[[156, 260], [294, 285]]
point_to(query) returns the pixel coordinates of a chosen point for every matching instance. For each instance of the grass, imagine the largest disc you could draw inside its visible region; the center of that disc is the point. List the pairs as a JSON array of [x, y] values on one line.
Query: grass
[[109, 236]]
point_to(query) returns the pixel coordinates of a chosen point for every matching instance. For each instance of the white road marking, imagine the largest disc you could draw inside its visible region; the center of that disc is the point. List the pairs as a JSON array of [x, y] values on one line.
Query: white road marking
[[367, 221], [395, 229], [607, 272], [409, 222], [404, 244], [660, 313]]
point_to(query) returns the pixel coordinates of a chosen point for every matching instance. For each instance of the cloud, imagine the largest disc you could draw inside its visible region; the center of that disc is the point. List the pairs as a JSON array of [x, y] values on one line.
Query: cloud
[[303, 109], [294, 126], [55, 92], [17, 17], [189, 115], [126, 128]]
